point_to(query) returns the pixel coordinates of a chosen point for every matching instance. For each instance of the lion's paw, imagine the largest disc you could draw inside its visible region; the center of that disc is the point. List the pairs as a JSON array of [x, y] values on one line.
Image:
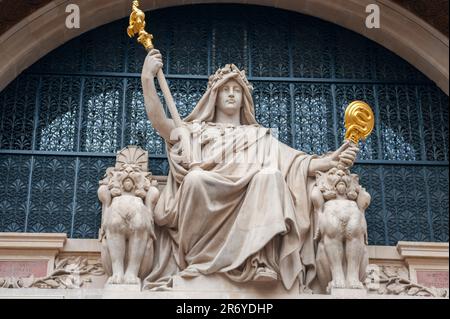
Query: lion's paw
[[337, 283], [130, 279], [355, 284], [115, 279]]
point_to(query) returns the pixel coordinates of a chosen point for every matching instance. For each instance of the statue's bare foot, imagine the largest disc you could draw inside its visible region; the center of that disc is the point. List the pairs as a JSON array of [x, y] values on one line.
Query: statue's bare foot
[[355, 284], [115, 279], [131, 279], [265, 274]]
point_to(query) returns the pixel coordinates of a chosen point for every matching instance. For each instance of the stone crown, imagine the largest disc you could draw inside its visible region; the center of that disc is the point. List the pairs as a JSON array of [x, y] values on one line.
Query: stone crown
[[229, 68]]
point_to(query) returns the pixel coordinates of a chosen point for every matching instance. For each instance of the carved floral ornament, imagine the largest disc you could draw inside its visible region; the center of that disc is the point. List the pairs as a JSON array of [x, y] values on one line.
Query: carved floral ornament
[[69, 273], [394, 280]]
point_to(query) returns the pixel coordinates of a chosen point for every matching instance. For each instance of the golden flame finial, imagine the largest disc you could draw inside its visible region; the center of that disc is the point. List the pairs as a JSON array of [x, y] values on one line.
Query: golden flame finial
[[359, 121], [137, 25]]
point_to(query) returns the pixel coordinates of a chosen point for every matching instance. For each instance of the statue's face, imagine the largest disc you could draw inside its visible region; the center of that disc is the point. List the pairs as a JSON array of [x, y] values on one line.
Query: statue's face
[[338, 179], [128, 184], [229, 98]]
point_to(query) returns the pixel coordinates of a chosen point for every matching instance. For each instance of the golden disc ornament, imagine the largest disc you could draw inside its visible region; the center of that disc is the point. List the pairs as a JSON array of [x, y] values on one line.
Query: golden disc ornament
[[359, 121]]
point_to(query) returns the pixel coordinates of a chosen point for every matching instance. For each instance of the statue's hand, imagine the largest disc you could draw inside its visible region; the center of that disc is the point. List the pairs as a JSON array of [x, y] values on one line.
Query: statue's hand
[[152, 64], [346, 154]]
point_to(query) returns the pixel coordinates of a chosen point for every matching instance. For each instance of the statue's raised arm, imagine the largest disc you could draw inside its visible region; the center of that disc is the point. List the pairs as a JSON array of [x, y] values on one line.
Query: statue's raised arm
[[172, 130], [152, 68], [153, 106]]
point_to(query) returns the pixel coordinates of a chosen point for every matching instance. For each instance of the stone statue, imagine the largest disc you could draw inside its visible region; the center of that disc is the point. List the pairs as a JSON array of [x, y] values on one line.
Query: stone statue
[[128, 195], [241, 205], [339, 204]]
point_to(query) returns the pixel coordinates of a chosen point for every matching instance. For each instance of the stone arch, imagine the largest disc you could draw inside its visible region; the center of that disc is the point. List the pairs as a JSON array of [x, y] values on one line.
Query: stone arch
[[401, 32]]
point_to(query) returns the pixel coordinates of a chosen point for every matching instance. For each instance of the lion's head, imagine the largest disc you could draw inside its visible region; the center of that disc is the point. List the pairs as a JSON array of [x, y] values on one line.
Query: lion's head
[[338, 181]]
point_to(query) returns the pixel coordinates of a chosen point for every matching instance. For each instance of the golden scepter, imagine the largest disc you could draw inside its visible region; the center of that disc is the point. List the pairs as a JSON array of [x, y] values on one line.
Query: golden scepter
[[359, 121], [137, 26]]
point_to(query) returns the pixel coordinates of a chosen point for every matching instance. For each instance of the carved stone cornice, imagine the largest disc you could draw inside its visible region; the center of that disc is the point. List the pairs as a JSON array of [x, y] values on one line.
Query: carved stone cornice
[[33, 241], [408, 249]]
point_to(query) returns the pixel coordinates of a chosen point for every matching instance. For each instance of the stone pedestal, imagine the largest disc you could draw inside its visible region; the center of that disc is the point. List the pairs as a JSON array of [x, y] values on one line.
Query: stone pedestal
[[346, 293], [220, 283], [35, 293], [121, 291], [426, 262]]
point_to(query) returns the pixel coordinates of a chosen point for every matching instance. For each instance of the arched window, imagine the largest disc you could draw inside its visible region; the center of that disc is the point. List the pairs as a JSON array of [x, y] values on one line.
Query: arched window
[[64, 118]]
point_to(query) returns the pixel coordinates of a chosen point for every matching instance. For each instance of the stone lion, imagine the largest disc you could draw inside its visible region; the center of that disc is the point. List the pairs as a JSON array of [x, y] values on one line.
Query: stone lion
[[128, 197], [340, 229]]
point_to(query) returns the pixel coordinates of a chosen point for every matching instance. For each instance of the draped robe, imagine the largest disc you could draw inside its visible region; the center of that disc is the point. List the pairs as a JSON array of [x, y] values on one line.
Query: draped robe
[[245, 205]]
